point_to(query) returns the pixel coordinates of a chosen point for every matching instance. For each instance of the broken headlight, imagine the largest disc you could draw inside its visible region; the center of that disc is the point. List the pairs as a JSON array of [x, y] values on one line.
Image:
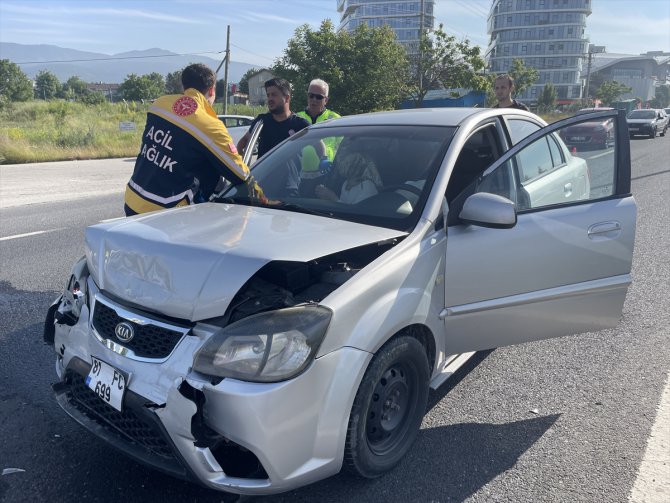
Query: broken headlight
[[266, 347], [74, 295]]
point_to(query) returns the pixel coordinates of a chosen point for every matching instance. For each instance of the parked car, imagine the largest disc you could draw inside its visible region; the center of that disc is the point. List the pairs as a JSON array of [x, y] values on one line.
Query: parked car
[[236, 120], [645, 122], [598, 134], [258, 347]]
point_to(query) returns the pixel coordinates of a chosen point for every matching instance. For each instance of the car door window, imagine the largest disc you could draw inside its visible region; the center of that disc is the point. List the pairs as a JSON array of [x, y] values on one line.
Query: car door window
[[520, 128], [546, 173]]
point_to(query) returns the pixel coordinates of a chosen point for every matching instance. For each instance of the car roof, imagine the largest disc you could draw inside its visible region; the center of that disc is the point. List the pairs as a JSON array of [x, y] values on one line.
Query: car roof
[[423, 117]]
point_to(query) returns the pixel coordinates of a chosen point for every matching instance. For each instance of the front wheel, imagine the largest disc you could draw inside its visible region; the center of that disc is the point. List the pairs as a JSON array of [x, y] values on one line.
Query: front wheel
[[388, 408], [652, 135]]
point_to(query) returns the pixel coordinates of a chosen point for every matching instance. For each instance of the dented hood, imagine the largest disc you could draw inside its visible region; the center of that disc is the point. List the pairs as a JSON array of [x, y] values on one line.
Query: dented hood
[[188, 263]]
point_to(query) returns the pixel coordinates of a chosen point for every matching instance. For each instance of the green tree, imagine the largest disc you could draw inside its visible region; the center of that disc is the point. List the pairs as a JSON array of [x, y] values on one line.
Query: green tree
[[74, 88], [366, 70], [445, 63], [524, 76], [610, 91], [146, 87], [14, 84], [662, 97], [244, 81], [546, 102], [92, 98], [47, 85], [173, 83]]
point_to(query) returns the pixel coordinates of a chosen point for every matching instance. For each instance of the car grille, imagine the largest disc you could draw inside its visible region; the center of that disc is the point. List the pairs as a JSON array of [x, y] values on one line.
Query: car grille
[[149, 341], [127, 424]]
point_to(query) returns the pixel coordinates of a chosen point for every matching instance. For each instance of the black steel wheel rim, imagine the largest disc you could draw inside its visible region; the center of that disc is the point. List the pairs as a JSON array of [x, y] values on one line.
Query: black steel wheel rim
[[392, 402]]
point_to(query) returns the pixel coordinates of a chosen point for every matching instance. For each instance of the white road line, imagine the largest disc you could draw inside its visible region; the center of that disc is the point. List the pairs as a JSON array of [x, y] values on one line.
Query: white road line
[[653, 478], [16, 236]]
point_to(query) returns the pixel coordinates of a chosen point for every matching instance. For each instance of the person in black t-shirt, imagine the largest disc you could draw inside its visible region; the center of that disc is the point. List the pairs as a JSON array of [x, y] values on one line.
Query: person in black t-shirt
[[503, 88], [279, 123]]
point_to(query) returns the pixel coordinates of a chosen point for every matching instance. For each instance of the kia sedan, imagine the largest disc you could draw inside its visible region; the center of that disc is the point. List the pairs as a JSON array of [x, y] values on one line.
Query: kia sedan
[[258, 346]]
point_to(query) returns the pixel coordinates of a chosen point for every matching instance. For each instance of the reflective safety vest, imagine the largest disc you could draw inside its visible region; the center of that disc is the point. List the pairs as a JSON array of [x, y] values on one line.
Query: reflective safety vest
[[185, 150], [310, 159]]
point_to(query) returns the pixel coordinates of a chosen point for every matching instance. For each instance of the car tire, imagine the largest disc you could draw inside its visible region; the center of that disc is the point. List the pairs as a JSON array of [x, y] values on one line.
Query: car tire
[[388, 408], [652, 135]]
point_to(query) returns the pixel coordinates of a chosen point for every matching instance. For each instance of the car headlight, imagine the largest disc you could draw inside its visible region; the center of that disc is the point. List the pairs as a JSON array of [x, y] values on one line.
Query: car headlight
[[266, 347]]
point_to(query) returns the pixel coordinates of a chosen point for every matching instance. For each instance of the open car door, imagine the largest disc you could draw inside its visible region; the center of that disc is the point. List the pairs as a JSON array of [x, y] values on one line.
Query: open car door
[[549, 254]]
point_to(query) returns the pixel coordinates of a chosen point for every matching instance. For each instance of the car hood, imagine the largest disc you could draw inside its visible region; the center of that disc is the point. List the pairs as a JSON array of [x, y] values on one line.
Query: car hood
[[189, 262]]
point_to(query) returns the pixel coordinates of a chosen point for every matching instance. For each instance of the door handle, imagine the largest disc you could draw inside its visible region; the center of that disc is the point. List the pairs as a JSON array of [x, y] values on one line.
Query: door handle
[[567, 189], [603, 228]]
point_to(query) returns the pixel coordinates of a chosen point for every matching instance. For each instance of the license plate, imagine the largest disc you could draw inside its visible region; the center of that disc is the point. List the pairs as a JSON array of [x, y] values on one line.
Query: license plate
[[633, 128], [577, 138], [107, 382]]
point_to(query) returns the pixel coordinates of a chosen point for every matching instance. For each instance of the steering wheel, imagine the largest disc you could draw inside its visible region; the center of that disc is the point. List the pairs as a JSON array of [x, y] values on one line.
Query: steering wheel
[[402, 186]]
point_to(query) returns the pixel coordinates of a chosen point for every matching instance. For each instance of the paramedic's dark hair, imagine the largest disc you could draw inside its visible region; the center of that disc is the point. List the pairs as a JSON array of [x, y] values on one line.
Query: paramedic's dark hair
[[282, 84], [198, 76]]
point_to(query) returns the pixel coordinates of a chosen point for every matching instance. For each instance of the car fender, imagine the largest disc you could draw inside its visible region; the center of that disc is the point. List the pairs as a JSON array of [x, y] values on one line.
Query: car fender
[[407, 286]]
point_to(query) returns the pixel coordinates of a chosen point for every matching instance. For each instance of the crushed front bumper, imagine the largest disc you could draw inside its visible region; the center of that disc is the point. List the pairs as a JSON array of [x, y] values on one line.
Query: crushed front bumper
[[230, 435]]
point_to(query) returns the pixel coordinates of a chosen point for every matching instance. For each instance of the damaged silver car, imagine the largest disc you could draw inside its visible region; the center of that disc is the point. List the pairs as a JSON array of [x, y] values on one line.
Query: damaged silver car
[[255, 348]]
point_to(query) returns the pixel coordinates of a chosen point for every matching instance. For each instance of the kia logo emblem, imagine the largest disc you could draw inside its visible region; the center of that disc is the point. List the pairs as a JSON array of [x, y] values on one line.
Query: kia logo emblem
[[124, 331]]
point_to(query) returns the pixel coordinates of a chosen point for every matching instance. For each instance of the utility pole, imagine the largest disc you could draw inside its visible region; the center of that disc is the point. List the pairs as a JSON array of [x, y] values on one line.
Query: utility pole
[[225, 73], [588, 75], [419, 66], [225, 61]]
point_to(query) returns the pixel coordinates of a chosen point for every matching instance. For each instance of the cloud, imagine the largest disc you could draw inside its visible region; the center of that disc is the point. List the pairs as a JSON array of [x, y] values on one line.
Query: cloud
[[43, 10]]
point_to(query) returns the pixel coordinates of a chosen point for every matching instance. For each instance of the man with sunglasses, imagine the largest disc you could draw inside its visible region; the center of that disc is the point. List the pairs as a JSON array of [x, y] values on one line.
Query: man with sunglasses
[[279, 123], [313, 165]]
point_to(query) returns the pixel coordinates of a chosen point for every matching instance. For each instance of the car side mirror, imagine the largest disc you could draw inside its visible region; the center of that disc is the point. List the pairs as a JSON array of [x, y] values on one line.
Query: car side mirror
[[488, 210]]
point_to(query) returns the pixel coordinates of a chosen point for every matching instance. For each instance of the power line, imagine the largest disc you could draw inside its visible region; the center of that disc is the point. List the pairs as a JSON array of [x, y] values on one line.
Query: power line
[[117, 58], [250, 52]]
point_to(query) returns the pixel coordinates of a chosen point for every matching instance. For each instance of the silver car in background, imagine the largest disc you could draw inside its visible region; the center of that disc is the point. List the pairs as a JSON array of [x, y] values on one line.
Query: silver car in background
[[258, 347]]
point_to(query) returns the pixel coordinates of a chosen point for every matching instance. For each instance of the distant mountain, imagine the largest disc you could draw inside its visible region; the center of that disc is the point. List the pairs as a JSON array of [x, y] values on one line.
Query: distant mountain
[[65, 63]]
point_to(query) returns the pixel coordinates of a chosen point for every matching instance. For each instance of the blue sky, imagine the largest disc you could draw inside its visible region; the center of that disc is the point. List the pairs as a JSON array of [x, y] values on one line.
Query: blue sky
[[261, 28]]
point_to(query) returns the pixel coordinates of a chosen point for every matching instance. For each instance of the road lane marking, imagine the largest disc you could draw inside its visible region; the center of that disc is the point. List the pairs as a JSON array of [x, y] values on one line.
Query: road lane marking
[[652, 484], [16, 236]]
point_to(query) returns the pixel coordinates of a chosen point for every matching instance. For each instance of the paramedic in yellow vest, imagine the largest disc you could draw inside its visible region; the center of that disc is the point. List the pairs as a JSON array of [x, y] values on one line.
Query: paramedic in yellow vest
[[312, 166], [185, 150]]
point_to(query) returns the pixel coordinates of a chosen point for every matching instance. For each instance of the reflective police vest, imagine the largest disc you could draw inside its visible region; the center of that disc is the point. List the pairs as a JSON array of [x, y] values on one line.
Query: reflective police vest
[[310, 160]]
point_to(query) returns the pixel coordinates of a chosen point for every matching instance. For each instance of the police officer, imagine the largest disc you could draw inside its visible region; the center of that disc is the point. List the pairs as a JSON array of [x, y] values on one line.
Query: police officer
[[185, 150], [314, 166]]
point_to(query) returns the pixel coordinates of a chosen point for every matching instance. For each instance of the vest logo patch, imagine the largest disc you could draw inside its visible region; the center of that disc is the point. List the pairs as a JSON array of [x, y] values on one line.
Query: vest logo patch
[[185, 106]]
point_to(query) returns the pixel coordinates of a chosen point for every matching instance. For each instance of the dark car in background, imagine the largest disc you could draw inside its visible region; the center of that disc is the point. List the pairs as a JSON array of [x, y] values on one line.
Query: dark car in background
[[646, 122], [596, 134]]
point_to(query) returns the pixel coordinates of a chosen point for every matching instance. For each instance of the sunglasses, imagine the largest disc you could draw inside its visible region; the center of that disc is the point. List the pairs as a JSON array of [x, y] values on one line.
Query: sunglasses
[[315, 96]]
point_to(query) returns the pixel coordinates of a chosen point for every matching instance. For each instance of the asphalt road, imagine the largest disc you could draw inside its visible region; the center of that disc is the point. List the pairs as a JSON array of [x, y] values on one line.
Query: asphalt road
[[564, 420]]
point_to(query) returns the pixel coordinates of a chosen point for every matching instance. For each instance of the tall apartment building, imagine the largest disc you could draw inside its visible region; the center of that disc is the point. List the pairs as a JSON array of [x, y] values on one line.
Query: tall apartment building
[[403, 17], [548, 35]]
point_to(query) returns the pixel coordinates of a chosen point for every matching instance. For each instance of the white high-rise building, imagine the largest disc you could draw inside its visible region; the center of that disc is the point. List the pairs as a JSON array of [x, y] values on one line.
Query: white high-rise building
[[403, 17]]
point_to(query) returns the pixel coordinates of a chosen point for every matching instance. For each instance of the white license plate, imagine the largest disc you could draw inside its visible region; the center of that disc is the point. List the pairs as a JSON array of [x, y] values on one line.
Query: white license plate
[[578, 138], [107, 382]]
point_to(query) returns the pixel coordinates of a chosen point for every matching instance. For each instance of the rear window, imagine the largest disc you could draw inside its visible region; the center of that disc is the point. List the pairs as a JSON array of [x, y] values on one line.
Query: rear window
[[642, 114]]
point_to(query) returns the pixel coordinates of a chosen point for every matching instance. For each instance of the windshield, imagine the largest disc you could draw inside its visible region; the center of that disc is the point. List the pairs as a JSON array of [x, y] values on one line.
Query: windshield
[[380, 175], [642, 114]]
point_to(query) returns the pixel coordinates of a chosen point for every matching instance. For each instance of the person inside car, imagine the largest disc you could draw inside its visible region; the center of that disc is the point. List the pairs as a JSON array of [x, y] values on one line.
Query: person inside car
[[361, 179]]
